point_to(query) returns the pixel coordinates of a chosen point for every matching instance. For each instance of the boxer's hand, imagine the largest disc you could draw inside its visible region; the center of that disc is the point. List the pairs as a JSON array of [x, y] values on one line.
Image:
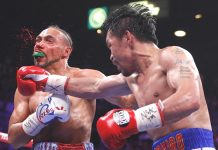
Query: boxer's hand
[[116, 126], [119, 124], [32, 78], [51, 108]]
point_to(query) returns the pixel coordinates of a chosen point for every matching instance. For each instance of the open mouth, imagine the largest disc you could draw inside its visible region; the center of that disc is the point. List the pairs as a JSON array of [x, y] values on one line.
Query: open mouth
[[38, 54]]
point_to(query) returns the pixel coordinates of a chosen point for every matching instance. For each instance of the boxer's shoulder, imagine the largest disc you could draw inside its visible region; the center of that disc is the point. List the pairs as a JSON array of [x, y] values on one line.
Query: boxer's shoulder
[[172, 55], [173, 52]]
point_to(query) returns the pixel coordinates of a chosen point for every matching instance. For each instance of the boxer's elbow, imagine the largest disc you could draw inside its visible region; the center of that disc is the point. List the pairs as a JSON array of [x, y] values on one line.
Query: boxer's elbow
[[16, 141], [195, 97], [13, 142], [15, 145], [10, 137], [193, 102]]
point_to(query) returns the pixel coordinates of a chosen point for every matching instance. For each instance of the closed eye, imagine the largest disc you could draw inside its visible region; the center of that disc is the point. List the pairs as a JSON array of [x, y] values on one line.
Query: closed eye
[[49, 39], [38, 39]]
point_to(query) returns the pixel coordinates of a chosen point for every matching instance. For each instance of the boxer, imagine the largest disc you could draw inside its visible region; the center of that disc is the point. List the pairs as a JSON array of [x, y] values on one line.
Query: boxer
[[53, 121]]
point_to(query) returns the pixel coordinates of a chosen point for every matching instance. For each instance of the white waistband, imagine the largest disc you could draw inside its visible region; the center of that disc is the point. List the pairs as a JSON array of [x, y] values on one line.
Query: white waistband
[[54, 146], [205, 148]]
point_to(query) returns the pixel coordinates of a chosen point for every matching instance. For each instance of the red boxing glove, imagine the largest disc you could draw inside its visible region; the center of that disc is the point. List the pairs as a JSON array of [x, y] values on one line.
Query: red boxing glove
[[116, 126], [30, 79], [119, 124]]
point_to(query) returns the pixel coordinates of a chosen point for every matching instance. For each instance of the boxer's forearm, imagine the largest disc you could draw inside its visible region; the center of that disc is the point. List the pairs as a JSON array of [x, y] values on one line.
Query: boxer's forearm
[[82, 87], [93, 88], [16, 136], [180, 104]]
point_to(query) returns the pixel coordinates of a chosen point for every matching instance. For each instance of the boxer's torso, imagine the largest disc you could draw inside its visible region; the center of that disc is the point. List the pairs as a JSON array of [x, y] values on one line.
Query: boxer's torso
[[154, 85], [78, 128]]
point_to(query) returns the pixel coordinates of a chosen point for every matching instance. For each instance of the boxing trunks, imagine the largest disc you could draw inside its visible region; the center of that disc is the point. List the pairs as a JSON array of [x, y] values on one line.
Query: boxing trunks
[[186, 139], [61, 146]]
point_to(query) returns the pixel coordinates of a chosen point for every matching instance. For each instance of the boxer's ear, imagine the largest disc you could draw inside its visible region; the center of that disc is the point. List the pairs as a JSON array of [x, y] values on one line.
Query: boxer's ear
[[67, 52], [129, 37]]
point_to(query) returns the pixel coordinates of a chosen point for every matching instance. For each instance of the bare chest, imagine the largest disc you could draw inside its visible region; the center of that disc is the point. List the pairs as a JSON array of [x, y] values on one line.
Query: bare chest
[[36, 99], [150, 88]]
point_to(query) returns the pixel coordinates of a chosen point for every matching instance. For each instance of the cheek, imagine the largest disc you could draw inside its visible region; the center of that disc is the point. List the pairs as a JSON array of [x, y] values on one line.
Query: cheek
[[55, 51], [57, 54], [116, 52], [126, 61]]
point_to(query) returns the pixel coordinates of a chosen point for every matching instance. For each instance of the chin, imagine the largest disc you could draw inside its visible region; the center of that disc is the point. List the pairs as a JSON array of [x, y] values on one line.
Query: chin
[[39, 65], [125, 73]]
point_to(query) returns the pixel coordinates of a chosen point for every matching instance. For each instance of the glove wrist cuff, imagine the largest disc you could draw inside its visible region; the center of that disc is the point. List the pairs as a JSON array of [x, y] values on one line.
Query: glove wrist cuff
[[150, 116], [31, 125], [56, 84]]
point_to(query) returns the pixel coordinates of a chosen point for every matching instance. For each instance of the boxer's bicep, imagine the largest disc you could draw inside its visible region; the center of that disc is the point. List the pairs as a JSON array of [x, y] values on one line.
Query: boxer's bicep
[[183, 77], [21, 108], [182, 73], [114, 85]]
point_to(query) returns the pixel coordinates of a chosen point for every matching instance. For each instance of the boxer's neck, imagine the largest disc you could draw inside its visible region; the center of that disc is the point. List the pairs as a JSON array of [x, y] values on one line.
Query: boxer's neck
[[59, 67], [145, 55]]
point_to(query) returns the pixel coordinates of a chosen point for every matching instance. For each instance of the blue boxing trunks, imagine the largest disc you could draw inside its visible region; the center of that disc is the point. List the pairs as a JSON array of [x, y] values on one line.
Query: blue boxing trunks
[[61, 146], [186, 139]]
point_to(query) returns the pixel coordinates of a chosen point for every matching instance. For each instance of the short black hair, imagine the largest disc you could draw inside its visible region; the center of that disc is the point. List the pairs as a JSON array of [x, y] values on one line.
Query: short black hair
[[135, 18]]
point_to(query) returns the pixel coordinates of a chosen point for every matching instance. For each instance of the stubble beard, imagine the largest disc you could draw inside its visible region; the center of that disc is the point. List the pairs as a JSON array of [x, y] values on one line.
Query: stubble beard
[[46, 64], [125, 73]]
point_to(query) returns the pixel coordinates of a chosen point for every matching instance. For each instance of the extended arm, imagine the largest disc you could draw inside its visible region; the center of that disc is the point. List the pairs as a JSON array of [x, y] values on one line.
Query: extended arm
[[34, 78], [114, 85]]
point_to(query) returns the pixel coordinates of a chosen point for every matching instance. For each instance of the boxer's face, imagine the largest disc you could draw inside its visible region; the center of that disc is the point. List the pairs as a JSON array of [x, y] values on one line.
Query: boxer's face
[[121, 53], [51, 43]]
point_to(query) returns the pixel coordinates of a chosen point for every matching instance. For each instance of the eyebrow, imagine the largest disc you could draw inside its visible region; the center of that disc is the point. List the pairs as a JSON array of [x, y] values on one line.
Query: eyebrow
[[38, 37], [47, 36]]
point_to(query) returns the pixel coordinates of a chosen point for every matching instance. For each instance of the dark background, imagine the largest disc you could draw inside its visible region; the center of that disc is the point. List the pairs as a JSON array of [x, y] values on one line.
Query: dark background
[[18, 17]]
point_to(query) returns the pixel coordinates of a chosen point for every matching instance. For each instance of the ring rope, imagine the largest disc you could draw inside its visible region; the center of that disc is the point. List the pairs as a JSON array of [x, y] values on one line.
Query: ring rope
[[4, 139]]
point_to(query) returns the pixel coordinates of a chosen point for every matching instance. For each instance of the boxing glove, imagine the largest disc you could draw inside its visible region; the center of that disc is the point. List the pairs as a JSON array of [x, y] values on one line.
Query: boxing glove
[[32, 78], [119, 124], [53, 107]]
